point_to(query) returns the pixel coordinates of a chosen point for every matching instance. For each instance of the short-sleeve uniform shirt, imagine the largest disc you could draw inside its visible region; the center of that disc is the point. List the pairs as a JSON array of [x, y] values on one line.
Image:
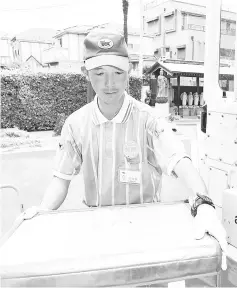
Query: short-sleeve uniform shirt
[[122, 159]]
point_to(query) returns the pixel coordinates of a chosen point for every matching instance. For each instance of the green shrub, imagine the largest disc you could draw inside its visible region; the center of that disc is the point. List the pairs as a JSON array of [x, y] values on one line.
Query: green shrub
[[59, 124], [135, 87], [35, 102], [146, 79]]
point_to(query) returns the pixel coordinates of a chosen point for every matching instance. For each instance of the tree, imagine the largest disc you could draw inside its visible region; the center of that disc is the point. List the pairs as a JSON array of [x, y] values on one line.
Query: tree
[[125, 19]]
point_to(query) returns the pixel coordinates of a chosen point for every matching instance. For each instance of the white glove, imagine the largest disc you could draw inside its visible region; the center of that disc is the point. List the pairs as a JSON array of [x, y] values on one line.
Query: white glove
[[32, 212], [206, 220]]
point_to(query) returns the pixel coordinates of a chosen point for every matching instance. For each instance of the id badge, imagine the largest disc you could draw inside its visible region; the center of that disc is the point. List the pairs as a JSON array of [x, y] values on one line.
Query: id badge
[[129, 176]]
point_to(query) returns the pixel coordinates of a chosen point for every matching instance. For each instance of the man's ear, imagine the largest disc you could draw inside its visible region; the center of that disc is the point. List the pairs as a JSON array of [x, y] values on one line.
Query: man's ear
[[85, 72]]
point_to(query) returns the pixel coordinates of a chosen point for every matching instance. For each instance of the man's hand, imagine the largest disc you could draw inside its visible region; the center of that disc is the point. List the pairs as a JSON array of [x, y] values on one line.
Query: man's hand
[[206, 220]]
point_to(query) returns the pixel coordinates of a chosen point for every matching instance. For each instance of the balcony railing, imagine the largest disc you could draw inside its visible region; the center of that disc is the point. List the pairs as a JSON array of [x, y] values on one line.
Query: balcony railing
[[231, 32], [196, 27]]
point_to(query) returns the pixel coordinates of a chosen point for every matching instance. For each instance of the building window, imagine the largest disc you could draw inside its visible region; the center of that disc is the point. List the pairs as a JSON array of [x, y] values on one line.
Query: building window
[[196, 22], [61, 42], [130, 46], [153, 26], [135, 66], [158, 52], [228, 27], [227, 53], [184, 22], [53, 64], [169, 22], [181, 53], [167, 52]]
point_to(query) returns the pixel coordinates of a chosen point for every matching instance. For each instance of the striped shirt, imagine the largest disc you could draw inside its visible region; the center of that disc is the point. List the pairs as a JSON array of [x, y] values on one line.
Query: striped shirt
[[122, 159]]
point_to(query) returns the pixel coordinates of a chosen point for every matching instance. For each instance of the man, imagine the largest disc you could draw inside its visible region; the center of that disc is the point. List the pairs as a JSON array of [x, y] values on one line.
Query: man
[[122, 148]]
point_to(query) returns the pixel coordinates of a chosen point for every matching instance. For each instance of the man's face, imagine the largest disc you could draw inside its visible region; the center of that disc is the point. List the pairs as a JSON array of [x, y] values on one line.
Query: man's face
[[109, 83]]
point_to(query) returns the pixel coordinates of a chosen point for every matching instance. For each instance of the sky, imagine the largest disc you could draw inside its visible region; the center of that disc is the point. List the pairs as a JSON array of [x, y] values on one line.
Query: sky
[[19, 15]]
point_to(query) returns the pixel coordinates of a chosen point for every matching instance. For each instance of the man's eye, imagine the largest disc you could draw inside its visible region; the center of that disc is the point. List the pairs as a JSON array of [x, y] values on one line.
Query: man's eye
[[99, 74], [119, 73]]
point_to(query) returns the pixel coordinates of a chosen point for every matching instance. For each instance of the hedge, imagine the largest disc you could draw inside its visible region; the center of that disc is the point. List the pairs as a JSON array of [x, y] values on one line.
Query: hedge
[[33, 102]]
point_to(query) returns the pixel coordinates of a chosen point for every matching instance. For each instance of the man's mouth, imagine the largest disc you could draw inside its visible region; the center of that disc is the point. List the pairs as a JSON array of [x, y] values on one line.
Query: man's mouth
[[110, 92]]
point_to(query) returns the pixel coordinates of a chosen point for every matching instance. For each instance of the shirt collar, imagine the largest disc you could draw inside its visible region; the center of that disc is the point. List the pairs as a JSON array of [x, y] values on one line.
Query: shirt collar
[[99, 118]]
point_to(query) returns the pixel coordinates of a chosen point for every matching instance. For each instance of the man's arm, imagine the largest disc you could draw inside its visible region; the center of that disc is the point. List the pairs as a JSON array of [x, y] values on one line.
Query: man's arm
[[172, 157], [55, 194], [206, 219], [68, 162], [185, 171]]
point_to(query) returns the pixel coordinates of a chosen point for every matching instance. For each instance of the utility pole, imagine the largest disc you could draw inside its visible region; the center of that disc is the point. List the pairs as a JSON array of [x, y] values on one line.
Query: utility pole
[[163, 52], [141, 39]]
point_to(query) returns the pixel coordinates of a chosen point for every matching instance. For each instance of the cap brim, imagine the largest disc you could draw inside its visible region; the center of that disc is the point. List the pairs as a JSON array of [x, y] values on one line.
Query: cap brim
[[110, 60]]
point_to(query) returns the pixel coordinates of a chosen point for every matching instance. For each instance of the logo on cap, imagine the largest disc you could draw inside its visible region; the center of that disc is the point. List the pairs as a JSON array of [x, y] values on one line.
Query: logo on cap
[[105, 43]]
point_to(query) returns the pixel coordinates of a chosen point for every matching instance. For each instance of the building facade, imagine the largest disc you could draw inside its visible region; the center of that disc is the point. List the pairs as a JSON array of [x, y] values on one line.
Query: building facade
[[32, 42], [23, 49], [6, 52], [27, 46], [67, 52], [71, 41], [179, 30]]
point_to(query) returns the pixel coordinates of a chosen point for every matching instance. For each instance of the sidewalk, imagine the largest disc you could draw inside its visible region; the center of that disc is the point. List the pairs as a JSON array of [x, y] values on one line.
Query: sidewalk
[[48, 140]]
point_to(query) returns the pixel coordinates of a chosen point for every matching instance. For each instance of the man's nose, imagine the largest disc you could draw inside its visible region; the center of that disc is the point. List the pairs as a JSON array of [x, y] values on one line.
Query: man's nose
[[109, 81]]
